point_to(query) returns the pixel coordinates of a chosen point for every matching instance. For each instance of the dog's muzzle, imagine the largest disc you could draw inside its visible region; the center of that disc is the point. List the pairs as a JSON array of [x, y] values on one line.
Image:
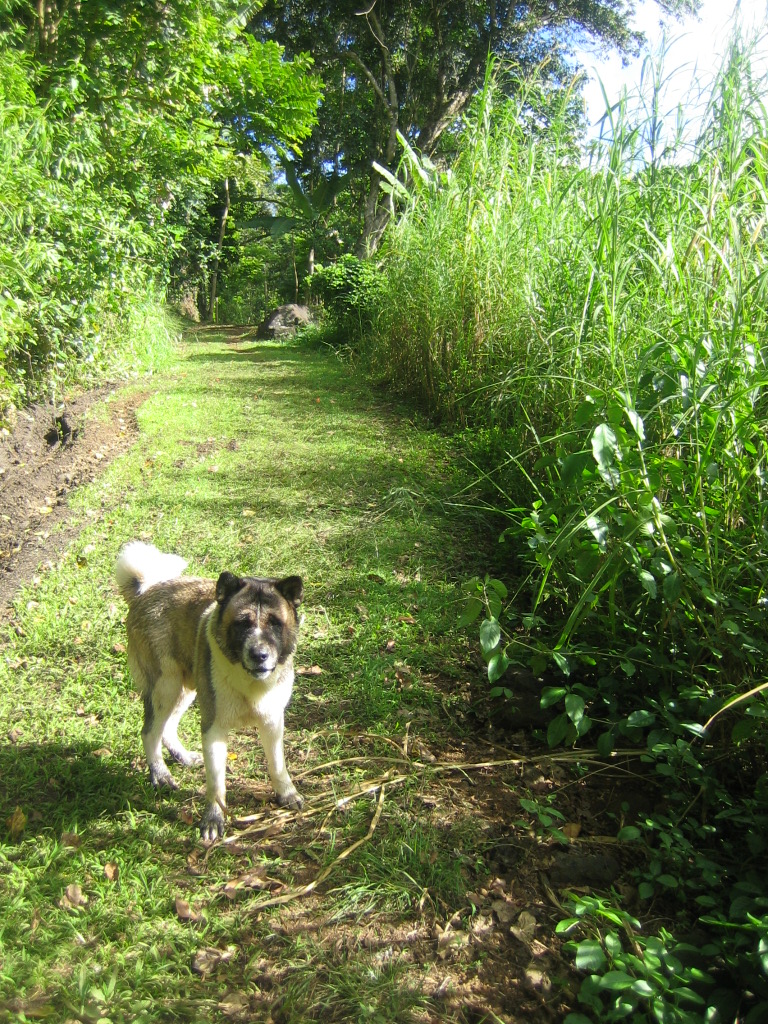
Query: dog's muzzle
[[259, 659]]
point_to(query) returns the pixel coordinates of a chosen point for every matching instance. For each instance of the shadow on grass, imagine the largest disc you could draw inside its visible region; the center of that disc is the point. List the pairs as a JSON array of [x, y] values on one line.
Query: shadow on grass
[[63, 786], [255, 354]]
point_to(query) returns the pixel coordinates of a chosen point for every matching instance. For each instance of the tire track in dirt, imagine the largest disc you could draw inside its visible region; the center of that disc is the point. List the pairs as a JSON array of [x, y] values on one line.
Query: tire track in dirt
[[46, 456]]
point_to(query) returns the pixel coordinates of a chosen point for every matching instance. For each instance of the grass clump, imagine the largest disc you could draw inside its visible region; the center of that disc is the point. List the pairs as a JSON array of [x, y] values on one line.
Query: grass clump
[[600, 330]]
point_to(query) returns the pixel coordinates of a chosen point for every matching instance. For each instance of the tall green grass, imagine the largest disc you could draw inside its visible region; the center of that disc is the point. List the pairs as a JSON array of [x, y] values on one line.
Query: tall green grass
[[597, 324]]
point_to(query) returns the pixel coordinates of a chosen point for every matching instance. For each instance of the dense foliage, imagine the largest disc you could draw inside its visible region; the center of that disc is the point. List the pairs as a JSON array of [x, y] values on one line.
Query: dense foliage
[[119, 123], [599, 328]]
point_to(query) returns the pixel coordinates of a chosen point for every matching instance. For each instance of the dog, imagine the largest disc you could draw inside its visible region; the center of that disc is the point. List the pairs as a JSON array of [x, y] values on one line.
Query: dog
[[231, 642]]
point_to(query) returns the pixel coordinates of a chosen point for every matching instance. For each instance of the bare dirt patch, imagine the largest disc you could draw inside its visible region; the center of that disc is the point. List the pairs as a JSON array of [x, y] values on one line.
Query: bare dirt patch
[[48, 453]]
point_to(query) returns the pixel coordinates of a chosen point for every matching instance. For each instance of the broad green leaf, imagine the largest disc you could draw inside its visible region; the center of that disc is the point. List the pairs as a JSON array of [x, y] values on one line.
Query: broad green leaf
[[641, 987], [574, 707], [558, 730], [562, 663], [574, 466], [471, 611], [616, 981], [641, 719], [648, 581], [490, 635], [668, 881], [671, 587], [590, 956], [584, 413], [605, 744], [551, 695], [637, 423], [629, 833], [605, 452], [497, 666], [498, 587]]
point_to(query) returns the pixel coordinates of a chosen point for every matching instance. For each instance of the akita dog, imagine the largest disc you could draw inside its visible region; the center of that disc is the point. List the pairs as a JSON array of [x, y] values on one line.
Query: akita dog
[[231, 641]]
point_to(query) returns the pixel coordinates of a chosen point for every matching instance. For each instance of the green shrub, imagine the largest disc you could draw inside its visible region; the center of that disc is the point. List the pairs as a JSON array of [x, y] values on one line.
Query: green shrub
[[350, 290]]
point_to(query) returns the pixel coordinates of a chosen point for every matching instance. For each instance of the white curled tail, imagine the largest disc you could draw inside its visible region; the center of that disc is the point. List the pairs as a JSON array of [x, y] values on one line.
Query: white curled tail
[[140, 566]]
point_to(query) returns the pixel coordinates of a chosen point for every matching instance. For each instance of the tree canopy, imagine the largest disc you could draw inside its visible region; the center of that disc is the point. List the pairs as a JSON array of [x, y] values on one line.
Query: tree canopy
[[414, 67]]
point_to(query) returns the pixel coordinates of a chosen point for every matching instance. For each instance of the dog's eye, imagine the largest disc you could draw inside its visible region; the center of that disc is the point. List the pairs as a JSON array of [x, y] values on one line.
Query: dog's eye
[[244, 620]]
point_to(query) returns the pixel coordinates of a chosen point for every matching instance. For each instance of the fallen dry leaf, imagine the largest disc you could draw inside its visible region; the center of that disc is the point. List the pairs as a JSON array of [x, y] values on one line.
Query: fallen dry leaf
[[538, 980], [111, 871], [233, 1004], [312, 670], [71, 839], [16, 823], [572, 830], [449, 940], [73, 897], [250, 880], [185, 911], [423, 751], [206, 959], [482, 927], [525, 928], [504, 911]]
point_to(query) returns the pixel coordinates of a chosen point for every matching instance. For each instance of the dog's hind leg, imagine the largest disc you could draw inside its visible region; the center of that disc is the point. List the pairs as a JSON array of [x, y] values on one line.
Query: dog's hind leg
[[171, 740], [160, 702]]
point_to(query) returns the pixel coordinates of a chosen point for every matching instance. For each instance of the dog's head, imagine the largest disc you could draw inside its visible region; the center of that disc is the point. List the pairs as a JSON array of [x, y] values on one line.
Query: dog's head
[[258, 621]]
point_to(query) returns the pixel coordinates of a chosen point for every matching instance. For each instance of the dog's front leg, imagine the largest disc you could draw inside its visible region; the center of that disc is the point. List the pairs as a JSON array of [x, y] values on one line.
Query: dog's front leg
[[215, 758], [271, 736]]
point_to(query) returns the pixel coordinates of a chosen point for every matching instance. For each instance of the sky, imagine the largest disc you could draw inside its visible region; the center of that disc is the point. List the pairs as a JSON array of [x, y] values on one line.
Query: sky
[[695, 46]]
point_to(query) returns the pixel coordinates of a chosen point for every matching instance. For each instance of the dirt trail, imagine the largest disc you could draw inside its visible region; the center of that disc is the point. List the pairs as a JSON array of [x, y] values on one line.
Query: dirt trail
[[498, 957], [48, 454]]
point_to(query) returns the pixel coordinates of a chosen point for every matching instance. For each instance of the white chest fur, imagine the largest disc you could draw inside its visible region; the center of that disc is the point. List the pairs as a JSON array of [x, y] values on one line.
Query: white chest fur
[[241, 699]]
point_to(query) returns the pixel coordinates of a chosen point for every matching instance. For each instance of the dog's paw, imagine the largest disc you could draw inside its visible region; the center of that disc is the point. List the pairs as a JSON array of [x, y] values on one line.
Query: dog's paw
[[212, 824], [190, 758], [293, 800], [160, 776]]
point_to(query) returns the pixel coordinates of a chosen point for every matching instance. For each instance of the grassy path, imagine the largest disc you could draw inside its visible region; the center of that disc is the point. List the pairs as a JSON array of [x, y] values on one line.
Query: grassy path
[[265, 459]]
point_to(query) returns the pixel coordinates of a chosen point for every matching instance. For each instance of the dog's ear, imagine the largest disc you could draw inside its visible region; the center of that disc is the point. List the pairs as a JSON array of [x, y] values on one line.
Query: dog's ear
[[292, 589], [227, 585]]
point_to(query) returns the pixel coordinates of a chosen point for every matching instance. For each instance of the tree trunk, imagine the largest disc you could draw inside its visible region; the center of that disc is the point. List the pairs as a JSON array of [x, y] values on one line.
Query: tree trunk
[[215, 265], [375, 216]]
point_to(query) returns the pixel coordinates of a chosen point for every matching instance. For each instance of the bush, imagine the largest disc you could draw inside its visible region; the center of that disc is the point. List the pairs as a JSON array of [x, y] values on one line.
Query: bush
[[350, 290]]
